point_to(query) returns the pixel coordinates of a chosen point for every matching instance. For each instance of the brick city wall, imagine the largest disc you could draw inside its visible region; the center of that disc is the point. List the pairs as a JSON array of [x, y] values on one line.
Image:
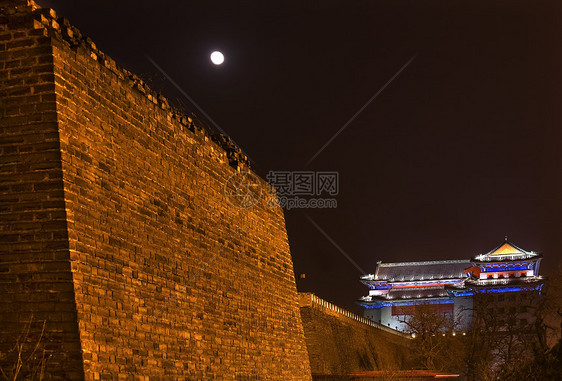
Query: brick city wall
[[35, 278], [342, 343], [116, 229]]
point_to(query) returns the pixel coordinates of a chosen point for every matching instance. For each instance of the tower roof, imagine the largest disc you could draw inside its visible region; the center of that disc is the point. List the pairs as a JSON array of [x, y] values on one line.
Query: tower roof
[[506, 250], [422, 270]]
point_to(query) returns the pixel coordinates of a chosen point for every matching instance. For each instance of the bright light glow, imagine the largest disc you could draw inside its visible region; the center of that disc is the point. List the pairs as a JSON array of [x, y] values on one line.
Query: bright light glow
[[217, 58], [506, 248]]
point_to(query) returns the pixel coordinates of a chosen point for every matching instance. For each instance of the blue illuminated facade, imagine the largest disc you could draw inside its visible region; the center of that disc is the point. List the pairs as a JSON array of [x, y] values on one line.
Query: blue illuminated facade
[[395, 289]]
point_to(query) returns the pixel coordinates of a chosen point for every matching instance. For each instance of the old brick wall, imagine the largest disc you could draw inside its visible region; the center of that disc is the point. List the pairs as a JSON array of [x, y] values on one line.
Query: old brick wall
[[340, 343], [35, 278], [169, 279]]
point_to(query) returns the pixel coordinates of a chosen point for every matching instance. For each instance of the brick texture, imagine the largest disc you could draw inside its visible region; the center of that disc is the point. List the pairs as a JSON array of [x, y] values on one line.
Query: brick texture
[[340, 344], [35, 279], [116, 228]]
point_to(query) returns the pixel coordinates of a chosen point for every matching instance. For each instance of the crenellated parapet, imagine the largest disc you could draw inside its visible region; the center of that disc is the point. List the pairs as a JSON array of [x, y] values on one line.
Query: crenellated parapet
[[47, 22]]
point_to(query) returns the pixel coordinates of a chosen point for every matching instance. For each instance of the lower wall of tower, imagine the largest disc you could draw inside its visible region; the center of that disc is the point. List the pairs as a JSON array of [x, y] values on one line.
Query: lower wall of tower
[[396, 317]]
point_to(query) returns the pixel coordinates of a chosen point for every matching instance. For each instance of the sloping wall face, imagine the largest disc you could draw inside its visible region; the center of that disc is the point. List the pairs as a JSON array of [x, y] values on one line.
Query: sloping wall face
[[37, 309], [339, 343], [173, 276], [170, 279]]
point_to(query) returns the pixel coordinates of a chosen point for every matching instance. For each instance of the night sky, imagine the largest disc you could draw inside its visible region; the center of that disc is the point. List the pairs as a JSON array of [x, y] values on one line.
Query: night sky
[[462, 148]]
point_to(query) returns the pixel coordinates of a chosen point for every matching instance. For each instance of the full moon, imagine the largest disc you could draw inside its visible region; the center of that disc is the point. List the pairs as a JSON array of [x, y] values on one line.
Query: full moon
[[217, 58]]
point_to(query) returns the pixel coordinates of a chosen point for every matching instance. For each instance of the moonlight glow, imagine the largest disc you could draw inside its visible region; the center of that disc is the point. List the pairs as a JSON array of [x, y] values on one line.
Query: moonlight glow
[[217, 58]]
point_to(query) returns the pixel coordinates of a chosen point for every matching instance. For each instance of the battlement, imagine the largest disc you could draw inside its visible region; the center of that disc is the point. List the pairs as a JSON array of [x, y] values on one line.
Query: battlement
[[340, 342], [46, 19], [308, 299]]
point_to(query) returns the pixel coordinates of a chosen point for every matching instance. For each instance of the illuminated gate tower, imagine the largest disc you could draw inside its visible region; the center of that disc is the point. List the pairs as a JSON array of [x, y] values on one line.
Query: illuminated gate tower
[[508, 274], [397, 288], [509, 277]]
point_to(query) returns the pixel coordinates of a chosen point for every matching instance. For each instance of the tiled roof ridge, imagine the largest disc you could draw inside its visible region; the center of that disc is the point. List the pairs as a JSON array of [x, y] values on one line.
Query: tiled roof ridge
[[393, 282], [418, 263]]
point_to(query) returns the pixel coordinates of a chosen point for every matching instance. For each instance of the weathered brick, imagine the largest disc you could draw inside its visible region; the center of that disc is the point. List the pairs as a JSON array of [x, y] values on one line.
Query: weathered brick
[[118, 231]]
